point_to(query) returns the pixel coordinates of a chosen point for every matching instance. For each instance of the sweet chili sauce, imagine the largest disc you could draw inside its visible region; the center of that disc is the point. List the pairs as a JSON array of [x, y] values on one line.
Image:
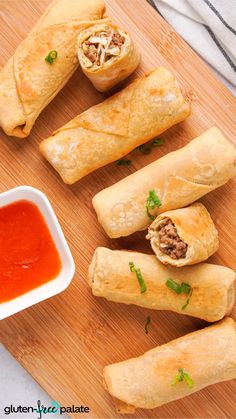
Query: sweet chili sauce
[[28, 255]]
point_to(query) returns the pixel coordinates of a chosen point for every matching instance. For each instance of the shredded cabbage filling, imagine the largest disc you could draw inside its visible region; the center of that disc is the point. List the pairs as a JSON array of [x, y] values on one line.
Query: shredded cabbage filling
[[102, 46]]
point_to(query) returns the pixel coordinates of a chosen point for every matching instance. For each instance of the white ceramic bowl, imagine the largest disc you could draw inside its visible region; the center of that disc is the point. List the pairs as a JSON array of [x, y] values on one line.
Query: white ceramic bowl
[[61, 282]]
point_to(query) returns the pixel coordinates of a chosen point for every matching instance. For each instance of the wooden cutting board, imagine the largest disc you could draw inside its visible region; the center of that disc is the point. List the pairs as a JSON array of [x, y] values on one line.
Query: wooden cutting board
[[66, 341]]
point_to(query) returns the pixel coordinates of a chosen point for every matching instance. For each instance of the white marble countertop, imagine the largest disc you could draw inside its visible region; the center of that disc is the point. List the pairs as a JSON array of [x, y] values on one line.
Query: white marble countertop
[[17, 387]]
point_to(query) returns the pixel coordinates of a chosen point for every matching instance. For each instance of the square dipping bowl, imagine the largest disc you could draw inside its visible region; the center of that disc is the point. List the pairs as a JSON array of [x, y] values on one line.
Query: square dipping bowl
[[62, 280]]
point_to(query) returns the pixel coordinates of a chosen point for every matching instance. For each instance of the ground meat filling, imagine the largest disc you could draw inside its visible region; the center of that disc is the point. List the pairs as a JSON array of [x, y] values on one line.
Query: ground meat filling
[[170, 242], [102, 46]]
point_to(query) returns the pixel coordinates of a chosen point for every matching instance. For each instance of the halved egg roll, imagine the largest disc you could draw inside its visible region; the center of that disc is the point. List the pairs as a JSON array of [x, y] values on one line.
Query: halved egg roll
[[184, 236], [43, 63], [108, 131], [107, 55], [205, 291], [174, 370], [174, 181]]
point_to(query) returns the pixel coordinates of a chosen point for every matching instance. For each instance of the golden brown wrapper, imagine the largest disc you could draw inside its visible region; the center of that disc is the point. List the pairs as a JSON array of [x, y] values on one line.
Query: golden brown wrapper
[[117, 68], [178, 179], [27, 82], [211, 298], [194, 227], [108, 131], [208, 356]]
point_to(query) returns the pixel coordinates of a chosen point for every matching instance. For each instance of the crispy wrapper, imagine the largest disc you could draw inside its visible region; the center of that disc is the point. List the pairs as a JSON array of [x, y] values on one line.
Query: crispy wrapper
[[110, 72], [27, 82], [207, 356], [211, 298], [195, 229], [179, 178], [108, 131]]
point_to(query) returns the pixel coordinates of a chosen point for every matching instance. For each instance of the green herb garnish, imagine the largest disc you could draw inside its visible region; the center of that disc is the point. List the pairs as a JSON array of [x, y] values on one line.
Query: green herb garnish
[[178, 288], [51, 57], [147, 148], [183, 376], [158, 142], [139, 276], [187, 301], [152, 202], [147, 324], [182, 288], [123, 162], [186, 288]]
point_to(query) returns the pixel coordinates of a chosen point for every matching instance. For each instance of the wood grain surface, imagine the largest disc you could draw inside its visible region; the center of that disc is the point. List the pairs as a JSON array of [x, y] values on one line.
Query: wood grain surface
[[66, 341]]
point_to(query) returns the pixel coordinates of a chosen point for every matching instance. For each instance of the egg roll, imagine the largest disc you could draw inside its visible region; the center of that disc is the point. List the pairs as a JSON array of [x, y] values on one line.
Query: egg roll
[[43, 63], [176, 180], [176, 369], [108, 131], [107, 55], [184, 236], [211, 287]]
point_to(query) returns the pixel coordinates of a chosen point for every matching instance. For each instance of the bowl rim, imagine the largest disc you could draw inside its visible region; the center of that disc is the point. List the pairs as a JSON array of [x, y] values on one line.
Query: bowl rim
[[66, 274]]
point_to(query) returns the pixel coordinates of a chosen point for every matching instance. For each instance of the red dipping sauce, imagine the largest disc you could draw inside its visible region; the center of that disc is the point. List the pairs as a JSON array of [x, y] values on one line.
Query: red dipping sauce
[[28, 255]]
